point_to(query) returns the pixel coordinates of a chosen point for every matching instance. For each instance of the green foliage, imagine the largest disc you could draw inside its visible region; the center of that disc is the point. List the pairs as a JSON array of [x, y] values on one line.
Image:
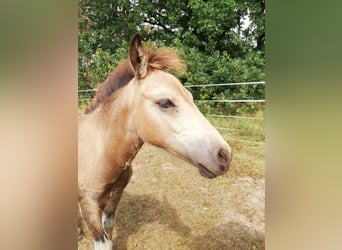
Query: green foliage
[[208, 34]]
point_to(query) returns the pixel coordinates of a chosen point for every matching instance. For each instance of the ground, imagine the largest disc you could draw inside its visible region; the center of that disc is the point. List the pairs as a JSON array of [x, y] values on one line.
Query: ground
[[168, 205]]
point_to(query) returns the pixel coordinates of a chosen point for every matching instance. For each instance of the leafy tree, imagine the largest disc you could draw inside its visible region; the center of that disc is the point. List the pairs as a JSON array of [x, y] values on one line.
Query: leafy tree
[[211, 36]]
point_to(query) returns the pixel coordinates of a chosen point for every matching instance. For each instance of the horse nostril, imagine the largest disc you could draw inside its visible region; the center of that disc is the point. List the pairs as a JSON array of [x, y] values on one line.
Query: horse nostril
[[223, 156], [224, 159]]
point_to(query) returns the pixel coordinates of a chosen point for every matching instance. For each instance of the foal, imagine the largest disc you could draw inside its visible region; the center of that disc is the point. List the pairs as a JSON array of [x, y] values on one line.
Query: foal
[[140, 102]]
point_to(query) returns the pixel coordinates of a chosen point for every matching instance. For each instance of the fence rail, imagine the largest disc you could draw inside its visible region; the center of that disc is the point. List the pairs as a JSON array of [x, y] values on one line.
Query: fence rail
[[237, 117], [198, 85], [216, 101], [224, 84], [229, 101]]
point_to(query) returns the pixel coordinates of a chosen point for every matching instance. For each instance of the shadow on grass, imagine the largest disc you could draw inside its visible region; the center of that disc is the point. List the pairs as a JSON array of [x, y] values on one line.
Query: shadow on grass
[[228, 236], [137, 210]]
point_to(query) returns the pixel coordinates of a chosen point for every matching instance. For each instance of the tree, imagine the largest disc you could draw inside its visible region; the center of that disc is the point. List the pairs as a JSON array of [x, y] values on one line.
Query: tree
[[209, 35]]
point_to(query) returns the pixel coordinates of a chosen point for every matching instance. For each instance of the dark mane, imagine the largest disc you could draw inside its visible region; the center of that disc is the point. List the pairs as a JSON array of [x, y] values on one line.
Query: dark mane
[[122, 75], [160, 59]]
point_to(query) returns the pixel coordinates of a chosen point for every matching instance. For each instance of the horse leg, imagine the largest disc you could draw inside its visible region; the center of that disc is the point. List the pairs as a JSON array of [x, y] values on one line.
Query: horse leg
[[108, 219], [91, 213], [108, 214]]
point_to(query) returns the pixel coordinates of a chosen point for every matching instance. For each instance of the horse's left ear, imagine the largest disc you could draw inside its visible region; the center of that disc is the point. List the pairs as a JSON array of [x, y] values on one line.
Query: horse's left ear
[[137, 58]]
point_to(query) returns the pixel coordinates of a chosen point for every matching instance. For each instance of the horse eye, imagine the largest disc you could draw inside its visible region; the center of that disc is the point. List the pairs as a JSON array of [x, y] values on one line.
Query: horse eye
[[165, 103]]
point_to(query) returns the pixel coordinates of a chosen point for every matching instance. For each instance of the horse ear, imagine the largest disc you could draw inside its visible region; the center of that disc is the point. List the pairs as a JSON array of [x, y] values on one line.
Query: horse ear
[[137, 58]]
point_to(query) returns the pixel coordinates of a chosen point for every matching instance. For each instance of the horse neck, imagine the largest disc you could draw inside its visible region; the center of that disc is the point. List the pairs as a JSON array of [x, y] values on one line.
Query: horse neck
[[123, 142]]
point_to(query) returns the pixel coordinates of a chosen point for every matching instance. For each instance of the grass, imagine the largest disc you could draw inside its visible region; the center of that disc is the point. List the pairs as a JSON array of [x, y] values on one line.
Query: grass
[[168, 205]]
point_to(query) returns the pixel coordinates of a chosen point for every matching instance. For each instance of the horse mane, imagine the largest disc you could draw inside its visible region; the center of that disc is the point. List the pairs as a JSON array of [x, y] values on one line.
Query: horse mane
[[157, 59], [122, 75]]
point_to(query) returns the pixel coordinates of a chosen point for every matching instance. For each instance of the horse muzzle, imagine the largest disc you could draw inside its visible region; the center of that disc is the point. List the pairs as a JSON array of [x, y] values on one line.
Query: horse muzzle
[[220, 165]]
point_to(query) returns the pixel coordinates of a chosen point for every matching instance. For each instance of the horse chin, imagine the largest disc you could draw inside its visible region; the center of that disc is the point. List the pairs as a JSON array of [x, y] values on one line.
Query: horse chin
[[205, 172]]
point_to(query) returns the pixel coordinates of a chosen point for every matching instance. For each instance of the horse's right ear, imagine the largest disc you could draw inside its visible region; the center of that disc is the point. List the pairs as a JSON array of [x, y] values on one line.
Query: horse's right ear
[[137, 58]]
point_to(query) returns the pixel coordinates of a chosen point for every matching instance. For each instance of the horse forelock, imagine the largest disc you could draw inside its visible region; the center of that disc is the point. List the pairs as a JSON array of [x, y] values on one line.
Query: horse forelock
[[158, 59]]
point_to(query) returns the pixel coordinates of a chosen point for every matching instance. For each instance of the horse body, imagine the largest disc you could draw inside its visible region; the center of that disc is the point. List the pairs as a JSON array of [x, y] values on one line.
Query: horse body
[[152, 106]]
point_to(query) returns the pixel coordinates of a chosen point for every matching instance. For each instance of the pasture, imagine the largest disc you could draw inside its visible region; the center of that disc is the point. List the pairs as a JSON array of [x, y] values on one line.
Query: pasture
[[168, 205]]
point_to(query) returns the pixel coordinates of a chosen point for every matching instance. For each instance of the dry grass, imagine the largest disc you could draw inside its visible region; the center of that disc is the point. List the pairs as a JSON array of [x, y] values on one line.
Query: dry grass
[[168, 205]]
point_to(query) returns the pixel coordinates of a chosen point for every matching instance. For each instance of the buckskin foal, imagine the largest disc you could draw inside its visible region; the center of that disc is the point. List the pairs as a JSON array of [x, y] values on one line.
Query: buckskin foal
[[140, 102]]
